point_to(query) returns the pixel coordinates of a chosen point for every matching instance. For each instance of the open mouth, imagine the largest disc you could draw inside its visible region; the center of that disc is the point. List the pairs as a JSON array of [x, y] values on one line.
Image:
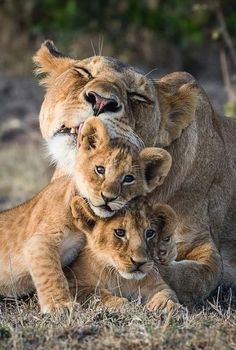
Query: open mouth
[[106, 207], [74, 131]]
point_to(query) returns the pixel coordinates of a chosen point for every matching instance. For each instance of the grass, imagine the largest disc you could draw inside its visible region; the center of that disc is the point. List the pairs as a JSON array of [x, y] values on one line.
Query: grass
[[131, 327]]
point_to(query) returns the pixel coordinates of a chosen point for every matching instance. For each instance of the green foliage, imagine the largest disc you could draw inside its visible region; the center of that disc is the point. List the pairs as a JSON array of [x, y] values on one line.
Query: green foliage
[[179, 21]]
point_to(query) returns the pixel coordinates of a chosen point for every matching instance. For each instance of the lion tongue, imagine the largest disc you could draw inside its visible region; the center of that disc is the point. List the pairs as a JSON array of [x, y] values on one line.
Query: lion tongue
[[78, 132]]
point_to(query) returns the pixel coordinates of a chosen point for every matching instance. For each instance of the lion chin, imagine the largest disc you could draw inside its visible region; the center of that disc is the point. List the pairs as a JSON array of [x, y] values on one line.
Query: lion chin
[[62, 151], [138, 275]]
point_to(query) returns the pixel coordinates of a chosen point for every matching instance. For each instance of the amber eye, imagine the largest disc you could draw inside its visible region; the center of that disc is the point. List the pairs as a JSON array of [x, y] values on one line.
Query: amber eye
[[149, 234], [128, 179], [167, 239], [99, 169], [119, 232]]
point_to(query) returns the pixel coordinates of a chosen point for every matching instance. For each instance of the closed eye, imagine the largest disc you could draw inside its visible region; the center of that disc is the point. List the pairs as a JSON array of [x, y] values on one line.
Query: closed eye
[[167, 239], [139, 97], [84, 72]]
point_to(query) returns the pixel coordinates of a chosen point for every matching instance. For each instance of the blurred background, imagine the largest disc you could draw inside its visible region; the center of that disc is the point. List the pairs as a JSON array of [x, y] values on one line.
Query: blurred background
[[161, 36]]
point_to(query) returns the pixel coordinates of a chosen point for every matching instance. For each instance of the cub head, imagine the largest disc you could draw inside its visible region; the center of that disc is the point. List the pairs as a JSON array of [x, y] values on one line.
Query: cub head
[[123, 241], [110, 172], [163, 248], [120, 95]]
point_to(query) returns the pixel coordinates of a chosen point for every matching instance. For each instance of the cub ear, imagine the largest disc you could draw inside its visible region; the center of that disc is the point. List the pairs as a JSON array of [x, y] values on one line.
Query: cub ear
[[166, 218], [178, 97], [84, 218], [94, 134], [50, 62], [156, 165]]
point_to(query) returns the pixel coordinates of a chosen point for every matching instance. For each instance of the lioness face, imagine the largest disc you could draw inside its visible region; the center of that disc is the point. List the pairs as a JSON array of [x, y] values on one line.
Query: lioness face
[[110, 172], [130, 240], [101, 86]]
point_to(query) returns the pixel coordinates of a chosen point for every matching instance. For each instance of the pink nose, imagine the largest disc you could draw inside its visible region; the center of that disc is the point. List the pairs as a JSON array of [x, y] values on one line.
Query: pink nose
[[102, 104]]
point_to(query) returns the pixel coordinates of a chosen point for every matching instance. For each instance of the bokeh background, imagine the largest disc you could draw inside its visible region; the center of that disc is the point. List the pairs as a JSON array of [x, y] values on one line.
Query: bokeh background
[[159, 36]]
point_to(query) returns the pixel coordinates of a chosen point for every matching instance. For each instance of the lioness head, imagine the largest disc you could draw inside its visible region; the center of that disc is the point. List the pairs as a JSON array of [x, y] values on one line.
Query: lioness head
[[110, 172], [120, 95], [124, 241]]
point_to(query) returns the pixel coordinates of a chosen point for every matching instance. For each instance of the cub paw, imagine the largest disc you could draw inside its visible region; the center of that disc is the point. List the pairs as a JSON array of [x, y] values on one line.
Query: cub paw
[[115, 302], [163, 302], [58, 307]]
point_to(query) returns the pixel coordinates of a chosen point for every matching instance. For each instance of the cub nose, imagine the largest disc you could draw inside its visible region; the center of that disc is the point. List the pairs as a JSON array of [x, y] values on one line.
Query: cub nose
[[162, 252], [108, 199], [138, 263], [102, 104]]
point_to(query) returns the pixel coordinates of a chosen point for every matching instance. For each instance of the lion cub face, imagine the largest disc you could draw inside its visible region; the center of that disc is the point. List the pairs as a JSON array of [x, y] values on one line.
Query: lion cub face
[[131, 240], [110, 172]]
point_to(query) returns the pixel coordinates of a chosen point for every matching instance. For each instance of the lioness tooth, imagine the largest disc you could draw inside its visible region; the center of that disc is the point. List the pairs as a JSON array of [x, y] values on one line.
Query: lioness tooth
[[73, 130]]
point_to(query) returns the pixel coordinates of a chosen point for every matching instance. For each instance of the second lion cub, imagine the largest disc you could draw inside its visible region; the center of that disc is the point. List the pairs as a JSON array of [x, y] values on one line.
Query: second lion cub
[[118, 261]]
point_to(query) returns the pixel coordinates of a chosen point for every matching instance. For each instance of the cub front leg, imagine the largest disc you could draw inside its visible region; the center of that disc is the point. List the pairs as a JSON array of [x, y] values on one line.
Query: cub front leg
[[165, 300], [158, 294], [111, 301], [43, 260], [196, 275]]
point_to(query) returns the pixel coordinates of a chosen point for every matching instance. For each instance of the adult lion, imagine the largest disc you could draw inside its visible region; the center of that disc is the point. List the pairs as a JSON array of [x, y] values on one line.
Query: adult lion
[[173, 113]]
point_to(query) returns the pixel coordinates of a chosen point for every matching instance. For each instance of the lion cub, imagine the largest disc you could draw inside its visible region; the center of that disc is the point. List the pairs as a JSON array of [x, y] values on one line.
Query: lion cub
[[118, 261], [39, 237]]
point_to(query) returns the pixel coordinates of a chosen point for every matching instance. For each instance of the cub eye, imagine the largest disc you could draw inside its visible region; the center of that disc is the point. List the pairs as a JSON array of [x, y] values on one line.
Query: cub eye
[[99, 169], [149, 234], [128, 179], [167, 239], [119, 232]]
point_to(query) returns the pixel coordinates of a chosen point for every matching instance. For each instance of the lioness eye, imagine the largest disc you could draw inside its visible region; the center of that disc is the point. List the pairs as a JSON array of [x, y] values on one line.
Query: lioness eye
[[83, 71], [99, 169], [149, 233], [128, 179], [119, 232], [139, 97], [167, 239]]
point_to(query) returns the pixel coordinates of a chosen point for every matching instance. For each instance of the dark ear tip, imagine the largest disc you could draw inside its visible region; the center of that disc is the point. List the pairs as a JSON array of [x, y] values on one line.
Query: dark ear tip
[[49, 44]]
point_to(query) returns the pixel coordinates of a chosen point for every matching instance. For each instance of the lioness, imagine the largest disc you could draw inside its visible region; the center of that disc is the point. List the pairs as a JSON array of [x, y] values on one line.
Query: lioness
[[117, 262], [174, 113], [39, 237]]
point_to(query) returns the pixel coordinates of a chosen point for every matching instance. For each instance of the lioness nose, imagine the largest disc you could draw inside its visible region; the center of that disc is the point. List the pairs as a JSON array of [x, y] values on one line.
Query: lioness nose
[[138, 263], [102, 104], [108, 199]]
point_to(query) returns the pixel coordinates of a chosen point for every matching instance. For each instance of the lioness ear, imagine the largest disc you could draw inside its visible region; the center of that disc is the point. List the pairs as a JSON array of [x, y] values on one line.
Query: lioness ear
[[156, 165], [50, 62], [178, 96], [93, 134], [166, 218], [83, 216]]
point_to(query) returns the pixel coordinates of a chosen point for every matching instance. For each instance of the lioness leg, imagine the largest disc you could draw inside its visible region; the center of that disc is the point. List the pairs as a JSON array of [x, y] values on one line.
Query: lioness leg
[[197, 273], [42, 257]]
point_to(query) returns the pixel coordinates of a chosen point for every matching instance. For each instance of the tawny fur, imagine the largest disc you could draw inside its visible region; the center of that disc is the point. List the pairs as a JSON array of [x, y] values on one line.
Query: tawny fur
[[108, 265], [175, 113], [39, 238]]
